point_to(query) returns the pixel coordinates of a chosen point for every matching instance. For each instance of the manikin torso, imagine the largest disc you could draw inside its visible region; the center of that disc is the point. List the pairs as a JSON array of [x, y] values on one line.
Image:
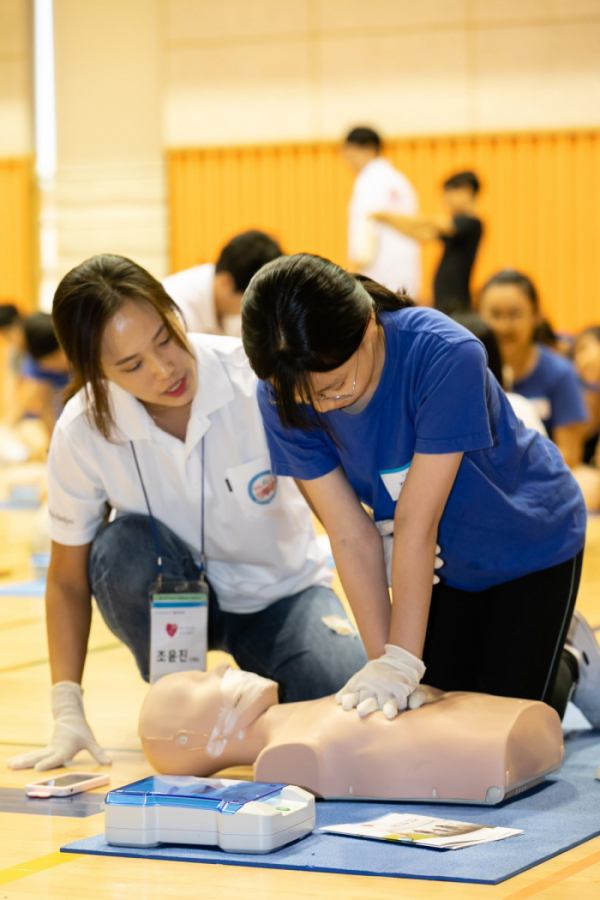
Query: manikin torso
[[457, 746]]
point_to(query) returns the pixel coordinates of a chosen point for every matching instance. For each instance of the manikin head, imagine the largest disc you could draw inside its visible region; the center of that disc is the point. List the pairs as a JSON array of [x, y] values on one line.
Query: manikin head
[[360, 147], [197, 723]]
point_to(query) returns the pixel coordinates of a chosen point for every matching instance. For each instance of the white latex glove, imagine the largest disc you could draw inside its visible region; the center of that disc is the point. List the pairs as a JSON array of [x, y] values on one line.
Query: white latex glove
[[71, 733], [386, 683]]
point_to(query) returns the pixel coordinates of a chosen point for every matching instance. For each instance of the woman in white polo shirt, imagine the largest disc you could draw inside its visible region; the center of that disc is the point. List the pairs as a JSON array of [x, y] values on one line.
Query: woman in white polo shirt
[[183, 409]]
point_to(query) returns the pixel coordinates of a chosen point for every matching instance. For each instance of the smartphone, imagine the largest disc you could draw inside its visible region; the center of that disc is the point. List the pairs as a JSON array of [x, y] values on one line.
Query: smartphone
[[65, 785]]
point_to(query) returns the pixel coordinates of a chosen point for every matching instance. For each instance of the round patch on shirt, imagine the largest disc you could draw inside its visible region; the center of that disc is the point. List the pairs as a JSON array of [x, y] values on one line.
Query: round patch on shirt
[[263, 487]]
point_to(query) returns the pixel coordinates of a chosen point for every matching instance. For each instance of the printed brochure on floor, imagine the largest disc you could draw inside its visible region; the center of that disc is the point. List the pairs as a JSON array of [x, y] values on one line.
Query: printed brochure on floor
[[426, 831]]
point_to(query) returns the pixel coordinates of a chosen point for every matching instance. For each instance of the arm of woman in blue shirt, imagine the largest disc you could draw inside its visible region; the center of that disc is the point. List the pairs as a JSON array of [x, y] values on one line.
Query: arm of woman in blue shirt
[[416, 521], [358, 552]]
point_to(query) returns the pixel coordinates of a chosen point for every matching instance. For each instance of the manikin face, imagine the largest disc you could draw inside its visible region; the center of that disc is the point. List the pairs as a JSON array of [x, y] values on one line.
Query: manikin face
[[587, 358], [139, 355], [195, 722], [510, 314]]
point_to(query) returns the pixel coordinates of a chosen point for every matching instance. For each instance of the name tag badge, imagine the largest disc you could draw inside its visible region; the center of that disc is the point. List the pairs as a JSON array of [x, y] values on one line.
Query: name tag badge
[[394, 480], [178, 627]]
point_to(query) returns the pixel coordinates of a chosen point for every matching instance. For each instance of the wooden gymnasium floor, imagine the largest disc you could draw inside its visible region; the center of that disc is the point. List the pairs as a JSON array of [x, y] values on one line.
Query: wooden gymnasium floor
[[30, 864]]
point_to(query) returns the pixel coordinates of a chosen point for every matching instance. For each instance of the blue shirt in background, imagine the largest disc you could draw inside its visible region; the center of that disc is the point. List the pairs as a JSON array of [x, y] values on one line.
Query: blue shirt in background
[[55, 379], [514, 508], [554, 389]]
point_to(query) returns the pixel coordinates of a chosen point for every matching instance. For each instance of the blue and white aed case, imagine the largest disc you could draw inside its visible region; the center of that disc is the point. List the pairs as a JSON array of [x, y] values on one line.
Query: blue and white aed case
[[237, 816], [178, 628]]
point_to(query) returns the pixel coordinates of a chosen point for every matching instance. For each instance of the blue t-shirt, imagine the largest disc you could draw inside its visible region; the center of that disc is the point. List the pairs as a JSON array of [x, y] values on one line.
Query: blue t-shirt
[[514, 508], [554, 389], [55, 379]]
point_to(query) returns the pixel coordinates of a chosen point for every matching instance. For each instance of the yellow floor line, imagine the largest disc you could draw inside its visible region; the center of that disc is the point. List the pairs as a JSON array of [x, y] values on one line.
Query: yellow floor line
[[36, 865]]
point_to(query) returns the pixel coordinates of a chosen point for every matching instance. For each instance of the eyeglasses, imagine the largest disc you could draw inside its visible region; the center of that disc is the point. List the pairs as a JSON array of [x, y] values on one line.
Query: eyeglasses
[[324, 397]]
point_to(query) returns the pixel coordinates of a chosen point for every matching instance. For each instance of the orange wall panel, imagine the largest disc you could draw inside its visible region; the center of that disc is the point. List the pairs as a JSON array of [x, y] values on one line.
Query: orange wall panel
[[16, 232], [540, 205]]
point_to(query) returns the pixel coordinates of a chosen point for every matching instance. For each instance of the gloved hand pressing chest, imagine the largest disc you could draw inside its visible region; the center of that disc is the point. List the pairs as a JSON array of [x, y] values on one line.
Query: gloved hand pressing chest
[[386, 683], [71, 733]]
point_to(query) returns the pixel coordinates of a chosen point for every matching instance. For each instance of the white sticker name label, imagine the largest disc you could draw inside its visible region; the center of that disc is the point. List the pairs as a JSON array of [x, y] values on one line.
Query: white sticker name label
[[394, 480], [178, 633]]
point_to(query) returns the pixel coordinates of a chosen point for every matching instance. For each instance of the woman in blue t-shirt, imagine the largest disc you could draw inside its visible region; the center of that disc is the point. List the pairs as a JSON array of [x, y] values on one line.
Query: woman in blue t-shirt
[[509, 304], [369, 400]]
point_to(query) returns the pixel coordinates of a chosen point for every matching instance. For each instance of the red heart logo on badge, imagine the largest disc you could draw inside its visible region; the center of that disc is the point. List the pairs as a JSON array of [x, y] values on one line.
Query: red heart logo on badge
[[171, 630]]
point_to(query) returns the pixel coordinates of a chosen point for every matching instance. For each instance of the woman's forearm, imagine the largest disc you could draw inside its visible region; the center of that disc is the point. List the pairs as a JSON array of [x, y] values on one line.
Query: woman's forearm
[[412, 579], [416, 522], [361, 568], [68, 620], [68, 611]]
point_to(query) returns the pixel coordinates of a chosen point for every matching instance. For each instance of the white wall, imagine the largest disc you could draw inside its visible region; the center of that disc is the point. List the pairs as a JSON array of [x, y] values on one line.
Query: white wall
[[136, 76], [253, 71], [16, 104], [110, 184]]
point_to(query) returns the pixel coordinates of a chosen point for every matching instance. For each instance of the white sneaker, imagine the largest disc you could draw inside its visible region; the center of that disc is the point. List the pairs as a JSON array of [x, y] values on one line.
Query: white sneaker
[[582, 643]]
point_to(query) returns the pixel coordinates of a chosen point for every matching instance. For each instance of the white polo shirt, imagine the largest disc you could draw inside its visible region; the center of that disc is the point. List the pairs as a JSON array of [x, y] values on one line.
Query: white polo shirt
[[193, 290], [396, 259], [259, 538]]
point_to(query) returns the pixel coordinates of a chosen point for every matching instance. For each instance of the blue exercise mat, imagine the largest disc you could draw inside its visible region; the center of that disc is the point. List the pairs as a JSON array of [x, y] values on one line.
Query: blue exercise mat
[[558, 815]]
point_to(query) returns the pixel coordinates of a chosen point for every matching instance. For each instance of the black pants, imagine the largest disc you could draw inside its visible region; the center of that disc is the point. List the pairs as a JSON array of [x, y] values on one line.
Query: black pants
[[507, 640]]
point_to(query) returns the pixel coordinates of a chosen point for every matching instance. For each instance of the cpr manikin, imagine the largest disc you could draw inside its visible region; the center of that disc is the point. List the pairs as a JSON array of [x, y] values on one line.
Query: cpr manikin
[[458, 746]]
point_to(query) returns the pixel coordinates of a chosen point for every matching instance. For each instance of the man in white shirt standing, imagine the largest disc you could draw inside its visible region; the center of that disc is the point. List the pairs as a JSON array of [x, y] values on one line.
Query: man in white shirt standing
[[210, 295], [375, 249]]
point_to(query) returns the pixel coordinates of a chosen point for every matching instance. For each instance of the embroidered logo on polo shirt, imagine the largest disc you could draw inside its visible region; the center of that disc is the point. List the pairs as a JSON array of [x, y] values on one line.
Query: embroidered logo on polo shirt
[[263, 487]]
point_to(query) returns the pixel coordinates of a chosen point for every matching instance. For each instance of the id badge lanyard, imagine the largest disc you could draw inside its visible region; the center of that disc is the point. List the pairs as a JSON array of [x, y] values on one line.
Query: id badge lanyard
[[178, 609]]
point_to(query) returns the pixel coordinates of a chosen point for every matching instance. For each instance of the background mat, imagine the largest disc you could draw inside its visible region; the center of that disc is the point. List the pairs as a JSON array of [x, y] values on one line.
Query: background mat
[[558, 815]]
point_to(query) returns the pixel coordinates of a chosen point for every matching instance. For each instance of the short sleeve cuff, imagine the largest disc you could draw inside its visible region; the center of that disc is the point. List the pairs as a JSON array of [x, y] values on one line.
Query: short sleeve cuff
[[480, 441], [570, 419], [72, 537], [305, 472]]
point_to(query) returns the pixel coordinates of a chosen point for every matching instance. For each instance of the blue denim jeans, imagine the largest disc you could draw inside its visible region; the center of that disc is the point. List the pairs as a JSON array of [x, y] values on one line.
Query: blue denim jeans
[[287, 642]]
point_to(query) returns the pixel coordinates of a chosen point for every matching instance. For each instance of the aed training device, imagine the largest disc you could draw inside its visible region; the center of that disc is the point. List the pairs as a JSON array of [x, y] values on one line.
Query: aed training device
[[237, 816], [65, 785]]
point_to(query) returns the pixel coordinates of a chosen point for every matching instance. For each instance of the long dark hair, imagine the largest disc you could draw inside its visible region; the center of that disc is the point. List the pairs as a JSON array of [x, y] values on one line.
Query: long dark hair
[[85, 300], [303, 314]]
